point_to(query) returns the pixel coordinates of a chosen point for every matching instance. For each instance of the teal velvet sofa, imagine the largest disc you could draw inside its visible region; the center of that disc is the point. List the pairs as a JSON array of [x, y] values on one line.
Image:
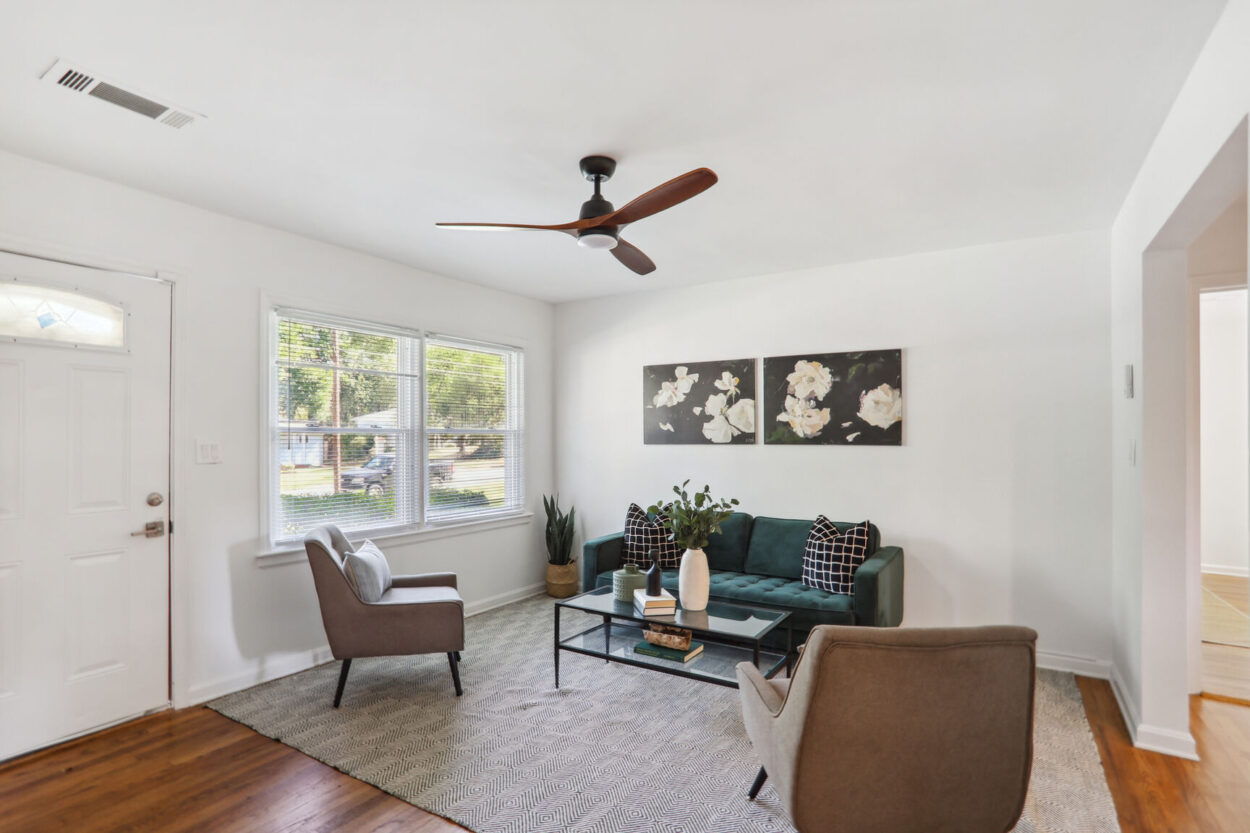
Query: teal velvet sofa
[[759, 561]]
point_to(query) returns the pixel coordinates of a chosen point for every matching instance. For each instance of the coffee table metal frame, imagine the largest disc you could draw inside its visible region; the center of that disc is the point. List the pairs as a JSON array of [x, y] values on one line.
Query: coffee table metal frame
[[626, 613]]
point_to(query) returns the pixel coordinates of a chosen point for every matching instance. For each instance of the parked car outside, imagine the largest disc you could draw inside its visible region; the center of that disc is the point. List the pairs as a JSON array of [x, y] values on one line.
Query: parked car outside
[[375, 478]]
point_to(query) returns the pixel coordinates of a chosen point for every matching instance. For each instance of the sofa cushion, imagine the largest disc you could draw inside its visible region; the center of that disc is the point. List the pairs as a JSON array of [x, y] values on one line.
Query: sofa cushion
[[808, 606], [776, 547], [832, 556], [644, 534], [727, 549], [773, 591]]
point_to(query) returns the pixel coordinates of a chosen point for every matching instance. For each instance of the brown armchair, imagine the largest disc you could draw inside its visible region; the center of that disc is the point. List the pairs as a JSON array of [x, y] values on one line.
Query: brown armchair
[[913, 730], [420, 614]]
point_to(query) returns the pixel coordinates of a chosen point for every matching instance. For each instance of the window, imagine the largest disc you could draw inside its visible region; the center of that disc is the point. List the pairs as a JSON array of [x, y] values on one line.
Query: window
[[472, 427], [40, 313], [379, 429]]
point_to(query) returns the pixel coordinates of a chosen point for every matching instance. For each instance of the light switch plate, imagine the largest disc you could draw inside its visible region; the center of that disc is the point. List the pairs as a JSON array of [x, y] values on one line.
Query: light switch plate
[[207, 452]]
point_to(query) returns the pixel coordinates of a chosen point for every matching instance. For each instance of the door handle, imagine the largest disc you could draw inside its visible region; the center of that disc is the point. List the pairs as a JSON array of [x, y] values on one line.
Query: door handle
[[151, 529]]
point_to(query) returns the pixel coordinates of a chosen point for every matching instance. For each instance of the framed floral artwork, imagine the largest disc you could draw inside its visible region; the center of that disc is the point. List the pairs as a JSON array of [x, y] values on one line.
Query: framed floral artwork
[[834, 398], [699, 403]]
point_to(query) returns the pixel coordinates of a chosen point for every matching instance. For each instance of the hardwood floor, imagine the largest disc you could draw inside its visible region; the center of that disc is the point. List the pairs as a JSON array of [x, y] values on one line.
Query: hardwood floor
[[1226, 673], [1160, 794], [1226, 638], [1226, 609], [194, 770]]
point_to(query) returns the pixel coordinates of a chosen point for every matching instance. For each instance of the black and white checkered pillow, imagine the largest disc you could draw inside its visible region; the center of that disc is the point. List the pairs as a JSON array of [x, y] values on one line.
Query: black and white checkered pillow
[[643, 535], [831, 558]]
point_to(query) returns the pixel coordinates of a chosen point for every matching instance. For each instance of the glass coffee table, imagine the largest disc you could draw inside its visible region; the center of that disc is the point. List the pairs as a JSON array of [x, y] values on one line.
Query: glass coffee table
[[730, 633]]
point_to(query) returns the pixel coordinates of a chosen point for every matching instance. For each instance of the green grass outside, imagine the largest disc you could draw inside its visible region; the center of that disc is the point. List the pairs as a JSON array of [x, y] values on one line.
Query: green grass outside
[[378, 508], [312, 477]]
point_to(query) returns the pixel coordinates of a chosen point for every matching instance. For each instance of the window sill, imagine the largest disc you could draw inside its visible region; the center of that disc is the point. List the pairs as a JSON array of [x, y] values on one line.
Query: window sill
[[290, 553]]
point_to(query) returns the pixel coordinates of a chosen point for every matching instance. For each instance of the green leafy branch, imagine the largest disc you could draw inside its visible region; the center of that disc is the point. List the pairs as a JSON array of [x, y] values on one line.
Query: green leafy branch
[[692, 518]]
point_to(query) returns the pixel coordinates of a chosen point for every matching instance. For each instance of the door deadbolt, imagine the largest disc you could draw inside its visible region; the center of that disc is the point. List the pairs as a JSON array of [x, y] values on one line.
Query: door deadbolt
[[155, 499]]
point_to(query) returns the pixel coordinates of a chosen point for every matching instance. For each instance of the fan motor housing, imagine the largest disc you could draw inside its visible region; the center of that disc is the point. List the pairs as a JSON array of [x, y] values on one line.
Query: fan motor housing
[[596, 206]]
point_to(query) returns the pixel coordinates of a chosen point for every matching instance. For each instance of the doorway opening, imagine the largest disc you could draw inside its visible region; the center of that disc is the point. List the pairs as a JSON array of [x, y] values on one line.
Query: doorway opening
[[1217, 278]]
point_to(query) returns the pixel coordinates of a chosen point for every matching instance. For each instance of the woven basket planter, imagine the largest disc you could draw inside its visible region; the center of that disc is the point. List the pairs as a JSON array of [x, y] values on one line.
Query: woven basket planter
[[562, 580]]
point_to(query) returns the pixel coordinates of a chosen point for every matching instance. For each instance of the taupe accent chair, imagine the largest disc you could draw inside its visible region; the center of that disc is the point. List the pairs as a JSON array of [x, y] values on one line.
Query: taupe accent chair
[[419, 614], [913, 730]]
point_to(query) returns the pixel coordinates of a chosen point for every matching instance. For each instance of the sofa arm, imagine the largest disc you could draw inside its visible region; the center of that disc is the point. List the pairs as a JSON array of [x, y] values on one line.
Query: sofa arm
[[879, 589], [600, 554]]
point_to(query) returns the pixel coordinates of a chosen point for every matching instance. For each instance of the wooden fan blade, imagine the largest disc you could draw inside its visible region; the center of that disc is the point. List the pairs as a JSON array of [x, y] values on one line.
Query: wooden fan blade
[[664, 196], [567, 228], [633, 257]]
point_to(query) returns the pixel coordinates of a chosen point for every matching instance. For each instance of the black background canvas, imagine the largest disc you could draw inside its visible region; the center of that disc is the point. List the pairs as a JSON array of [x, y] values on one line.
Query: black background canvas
[[853, 373], [687, 425]]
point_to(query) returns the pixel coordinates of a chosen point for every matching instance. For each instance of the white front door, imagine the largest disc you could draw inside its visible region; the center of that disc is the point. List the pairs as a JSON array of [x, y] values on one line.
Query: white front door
[[84, 441]]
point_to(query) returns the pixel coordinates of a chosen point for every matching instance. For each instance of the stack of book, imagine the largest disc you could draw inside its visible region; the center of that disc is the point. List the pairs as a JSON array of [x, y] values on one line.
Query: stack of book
[[662, 605], [646, 648]]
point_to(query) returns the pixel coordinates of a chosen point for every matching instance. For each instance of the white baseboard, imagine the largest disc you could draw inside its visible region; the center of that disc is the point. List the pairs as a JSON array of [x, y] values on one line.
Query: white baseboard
[[268, 670], [501, 599], [1128, 706], [1150, 738], [1167, 741], [1222, 570], [1099, 669], [303, 660]]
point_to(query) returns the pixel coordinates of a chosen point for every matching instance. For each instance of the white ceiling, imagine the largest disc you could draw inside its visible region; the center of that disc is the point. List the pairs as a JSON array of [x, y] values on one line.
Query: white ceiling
[[841, 130]]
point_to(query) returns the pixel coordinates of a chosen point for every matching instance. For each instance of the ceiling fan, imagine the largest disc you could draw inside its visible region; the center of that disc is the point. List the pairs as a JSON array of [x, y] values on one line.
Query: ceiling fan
[[599, 225]]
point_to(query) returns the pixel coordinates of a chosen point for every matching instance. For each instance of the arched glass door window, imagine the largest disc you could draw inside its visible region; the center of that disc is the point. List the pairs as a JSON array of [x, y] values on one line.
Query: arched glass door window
[[31, 312]]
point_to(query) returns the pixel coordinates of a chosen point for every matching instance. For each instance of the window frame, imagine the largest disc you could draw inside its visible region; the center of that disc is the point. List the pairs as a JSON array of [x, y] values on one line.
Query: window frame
[[415, 513]]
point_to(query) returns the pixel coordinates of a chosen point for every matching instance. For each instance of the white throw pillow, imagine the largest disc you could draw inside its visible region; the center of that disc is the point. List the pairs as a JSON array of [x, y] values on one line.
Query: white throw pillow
[[368, 568]]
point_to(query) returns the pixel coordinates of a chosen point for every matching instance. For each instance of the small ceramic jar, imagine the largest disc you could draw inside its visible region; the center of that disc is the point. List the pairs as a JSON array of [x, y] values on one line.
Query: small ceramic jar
[[626, 580]]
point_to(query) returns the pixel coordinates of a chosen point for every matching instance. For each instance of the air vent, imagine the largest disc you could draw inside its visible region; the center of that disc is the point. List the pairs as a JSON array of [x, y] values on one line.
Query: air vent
[[74, 80], [78, 80]]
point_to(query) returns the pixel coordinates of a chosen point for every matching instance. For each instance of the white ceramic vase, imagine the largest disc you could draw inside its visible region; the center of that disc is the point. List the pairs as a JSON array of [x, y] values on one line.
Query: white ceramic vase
[[692, 580]]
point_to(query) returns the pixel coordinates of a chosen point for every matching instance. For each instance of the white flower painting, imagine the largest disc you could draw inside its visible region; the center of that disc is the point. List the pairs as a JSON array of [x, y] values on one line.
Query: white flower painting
[[673, 392], [700, 403], [834, 398], [882, 406]]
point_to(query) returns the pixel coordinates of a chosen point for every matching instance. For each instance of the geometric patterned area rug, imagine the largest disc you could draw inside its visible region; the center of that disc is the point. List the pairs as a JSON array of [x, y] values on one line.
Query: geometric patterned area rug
[[614, 749]]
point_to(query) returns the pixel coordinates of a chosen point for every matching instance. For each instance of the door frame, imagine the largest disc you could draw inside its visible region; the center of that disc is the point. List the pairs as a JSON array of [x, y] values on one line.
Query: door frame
[[46, 251], [1170, 566]]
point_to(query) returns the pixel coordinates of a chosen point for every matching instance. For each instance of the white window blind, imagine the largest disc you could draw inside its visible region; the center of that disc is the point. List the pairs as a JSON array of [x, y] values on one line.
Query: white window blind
[[350, 446], [473, 428]]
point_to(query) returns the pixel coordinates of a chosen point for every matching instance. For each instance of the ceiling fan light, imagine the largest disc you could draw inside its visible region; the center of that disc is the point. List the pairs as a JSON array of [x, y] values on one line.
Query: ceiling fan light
[[595, 239]]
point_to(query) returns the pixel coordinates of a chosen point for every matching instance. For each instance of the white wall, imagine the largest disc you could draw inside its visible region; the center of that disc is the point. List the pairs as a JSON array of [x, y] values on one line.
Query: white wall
[[1000, 493], [1221, 249], [235, 622], [1149, 571], [1225, 433]]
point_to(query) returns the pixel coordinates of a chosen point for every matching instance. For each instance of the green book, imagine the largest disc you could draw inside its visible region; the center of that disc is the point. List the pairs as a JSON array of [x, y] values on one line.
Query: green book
[[645, 647]]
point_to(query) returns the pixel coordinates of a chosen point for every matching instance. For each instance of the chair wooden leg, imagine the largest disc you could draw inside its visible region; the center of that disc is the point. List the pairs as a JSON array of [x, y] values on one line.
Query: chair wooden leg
[[758, 785], [455, 671], [338, 695], [457, 653]]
